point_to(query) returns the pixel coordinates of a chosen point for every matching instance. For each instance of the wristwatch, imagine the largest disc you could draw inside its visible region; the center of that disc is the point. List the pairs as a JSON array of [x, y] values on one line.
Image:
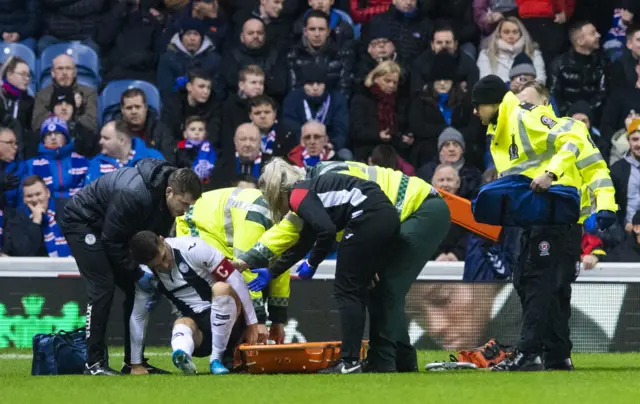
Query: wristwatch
[[551, 175]]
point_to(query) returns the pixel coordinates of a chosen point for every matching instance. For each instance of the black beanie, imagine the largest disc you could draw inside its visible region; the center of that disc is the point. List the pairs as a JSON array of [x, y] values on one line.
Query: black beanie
[[489, 90], [444, 67], [581, 107], [62, 94], [313, 73], [192, 24]]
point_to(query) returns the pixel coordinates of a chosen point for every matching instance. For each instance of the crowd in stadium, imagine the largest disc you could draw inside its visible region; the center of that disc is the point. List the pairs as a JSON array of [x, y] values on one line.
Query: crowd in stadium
[[234, 83]]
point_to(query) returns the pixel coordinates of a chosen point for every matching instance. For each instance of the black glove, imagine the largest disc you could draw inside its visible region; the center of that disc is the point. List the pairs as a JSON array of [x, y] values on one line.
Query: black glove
[[8, 181]]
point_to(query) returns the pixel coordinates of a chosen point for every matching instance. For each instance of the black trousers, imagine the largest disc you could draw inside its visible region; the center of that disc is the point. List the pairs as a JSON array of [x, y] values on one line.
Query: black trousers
[[365, 247], [549, 263], [101, 279]]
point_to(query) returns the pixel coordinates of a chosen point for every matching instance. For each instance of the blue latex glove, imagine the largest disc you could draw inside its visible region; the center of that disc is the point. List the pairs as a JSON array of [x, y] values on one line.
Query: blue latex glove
[[263, 279], [145, 282], [306, 271], [605, 219], [153, 303], [591, 224]]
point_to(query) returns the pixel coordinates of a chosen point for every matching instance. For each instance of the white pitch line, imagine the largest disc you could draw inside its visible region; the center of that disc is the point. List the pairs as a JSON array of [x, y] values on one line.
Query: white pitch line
[[115, 355]]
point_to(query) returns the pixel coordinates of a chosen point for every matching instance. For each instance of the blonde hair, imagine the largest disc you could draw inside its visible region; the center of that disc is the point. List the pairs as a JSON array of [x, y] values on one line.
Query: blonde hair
[[275, 183], [382, 69], [492, 45]]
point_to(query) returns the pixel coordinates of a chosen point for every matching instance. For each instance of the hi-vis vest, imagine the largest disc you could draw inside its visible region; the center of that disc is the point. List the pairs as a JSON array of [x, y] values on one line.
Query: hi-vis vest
[[529, 140], [232, 220]]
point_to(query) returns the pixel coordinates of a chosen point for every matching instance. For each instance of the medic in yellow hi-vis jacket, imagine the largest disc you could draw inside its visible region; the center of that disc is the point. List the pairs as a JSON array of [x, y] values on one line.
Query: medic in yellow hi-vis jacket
[[528, 139], [232, 220]]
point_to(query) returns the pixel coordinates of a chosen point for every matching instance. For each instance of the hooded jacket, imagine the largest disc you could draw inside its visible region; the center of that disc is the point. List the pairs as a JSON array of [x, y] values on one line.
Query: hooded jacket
[[119, 204]]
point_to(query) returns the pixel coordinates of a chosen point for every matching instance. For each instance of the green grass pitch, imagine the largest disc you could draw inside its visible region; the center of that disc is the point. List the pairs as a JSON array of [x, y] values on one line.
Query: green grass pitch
[[600, 378]]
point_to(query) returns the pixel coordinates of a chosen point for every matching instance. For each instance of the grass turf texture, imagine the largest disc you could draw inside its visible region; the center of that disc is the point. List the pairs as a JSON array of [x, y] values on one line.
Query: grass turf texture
[[600, 378]]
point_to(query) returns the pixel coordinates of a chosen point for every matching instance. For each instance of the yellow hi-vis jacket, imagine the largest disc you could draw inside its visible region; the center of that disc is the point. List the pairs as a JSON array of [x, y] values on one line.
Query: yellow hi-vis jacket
[[232, 220], [529, 140], [406, 193]]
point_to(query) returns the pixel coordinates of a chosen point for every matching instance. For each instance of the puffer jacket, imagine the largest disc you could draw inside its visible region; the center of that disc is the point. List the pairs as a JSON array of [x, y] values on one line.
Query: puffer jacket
[[545, 8], [337, 62], [118, 205], [72, 19], [19, 16], [577, 77]]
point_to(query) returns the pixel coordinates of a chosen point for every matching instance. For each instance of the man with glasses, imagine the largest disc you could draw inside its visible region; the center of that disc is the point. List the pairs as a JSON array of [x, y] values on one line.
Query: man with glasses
[[11, 171], [64, 74]]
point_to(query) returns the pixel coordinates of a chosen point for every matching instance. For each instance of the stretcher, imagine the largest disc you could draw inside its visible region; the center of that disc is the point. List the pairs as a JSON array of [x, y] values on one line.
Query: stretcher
[[462, 215], [307, 357]]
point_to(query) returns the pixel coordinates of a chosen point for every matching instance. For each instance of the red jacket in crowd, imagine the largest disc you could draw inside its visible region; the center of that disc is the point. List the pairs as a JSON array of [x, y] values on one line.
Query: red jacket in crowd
[[543, 8], [364, 14]]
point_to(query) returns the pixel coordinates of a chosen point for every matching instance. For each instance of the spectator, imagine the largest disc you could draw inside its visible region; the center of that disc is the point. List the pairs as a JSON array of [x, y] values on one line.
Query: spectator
[[19, 22], [314, 146], [620, 141], [275, 139], [14, 94], [33, 230], [581, 111], [195, 151], [451, 147], [70, 20], [235, 109], [63, 106], [278, 26], [213, 19], [509, 40], [459, 14], [409, 29], [12, 169], [625, 175], [623, 71], [7, 121], [592, 247], [441, 104], [316, 46], [444, 40], [341, 30], [453, 247], [315, 102], [63, 72], [253, 50], [144, 124], [186, 51], [629, 251], [488, 13], [581, 73], [620, 104], [63, 170], [545, 20], [118, 149], [381, 48], [385, 155], [248, 158], [195, 100], [130, 41], [377, 115], [363, 11], [523, 72], [616, 37]]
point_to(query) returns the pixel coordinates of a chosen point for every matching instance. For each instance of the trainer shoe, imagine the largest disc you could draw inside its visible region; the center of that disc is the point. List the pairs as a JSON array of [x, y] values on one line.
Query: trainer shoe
[[565, 364], [182, 361], [522, 362], [100, 369], [152, 370], [371, 367], [342, 367], [217, 368]]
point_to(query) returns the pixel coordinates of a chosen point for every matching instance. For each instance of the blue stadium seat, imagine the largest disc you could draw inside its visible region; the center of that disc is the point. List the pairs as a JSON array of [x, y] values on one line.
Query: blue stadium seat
[[345, 16], [26, 54], [85, 58], [109, 102]]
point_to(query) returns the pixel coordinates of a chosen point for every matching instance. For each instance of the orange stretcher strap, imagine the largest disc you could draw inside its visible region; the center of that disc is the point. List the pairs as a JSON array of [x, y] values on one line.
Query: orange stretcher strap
[[462, 215]]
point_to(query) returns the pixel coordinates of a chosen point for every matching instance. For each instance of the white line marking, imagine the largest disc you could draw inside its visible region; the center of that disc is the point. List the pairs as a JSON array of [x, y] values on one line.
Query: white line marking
[[114, 355]]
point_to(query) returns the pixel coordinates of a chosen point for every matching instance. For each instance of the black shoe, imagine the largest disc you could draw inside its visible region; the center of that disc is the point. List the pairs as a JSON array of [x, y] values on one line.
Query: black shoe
[[522, 362], [342, 367], [407, 369], [370, 367], [126, 369], [100, 369], [565, 364]]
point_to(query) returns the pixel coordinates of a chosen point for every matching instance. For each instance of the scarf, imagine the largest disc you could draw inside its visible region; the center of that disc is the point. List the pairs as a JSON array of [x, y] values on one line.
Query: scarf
[[268, 140], [42, 166], [252, 169], [54, 240], [511, 49], [386, 113], [109, 164], [13, 101], [321, 113], [10, 89], [458, 164], [445, 109], [205, 160], [311, 161]]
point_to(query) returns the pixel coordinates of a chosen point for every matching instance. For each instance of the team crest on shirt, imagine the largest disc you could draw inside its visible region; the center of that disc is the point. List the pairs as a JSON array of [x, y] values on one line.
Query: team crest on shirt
[[548, 122], [90, 239], [184, 268], [544, 247]]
